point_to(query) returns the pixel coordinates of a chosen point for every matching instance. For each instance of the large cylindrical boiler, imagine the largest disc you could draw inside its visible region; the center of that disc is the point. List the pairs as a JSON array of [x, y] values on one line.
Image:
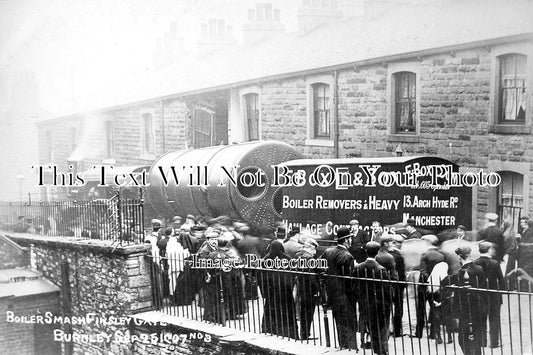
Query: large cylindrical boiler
[[259, 204]]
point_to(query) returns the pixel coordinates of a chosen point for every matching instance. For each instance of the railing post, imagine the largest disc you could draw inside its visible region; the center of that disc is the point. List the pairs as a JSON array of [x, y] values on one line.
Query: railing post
[[325, 310], [119, 217], [67, 302], [222, 300]]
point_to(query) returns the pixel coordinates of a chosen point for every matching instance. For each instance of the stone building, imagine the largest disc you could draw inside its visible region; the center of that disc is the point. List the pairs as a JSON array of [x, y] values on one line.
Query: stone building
[[445, 79]]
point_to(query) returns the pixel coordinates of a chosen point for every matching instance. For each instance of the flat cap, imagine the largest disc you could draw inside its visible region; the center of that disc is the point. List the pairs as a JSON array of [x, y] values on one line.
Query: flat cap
[[176, 218], [354, 221], [433, 239], [461, 227], [227, 236], [386, 238], [212, 234], [398, 238], [463, 251], [197, 228], [491, 216], [411, 222], [224, 220], [156, 223], [190, 216]]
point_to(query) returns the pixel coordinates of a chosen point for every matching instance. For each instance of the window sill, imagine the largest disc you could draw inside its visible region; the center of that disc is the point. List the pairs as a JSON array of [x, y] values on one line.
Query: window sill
[[403, 138], [510, 129], [147, 156], [320, 142]]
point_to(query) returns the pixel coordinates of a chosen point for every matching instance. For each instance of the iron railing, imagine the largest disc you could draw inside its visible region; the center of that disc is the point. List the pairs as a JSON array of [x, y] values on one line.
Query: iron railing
[[301, 306], [111, 219]]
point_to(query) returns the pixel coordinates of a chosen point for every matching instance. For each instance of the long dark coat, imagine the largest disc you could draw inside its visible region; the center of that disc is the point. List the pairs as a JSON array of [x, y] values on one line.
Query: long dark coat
[[279, 311], [341, 297]]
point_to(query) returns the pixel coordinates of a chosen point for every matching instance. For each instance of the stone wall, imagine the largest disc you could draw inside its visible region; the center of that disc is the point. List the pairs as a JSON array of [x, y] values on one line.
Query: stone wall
[[106, 280]]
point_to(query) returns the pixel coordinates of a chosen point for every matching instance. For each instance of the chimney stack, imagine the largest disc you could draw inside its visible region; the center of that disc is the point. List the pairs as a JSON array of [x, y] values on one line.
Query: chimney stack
[[216, 34], [170, 48], [263, 22], [314, 13]]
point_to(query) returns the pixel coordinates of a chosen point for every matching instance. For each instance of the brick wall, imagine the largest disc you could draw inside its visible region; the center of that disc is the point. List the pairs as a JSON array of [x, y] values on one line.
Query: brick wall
[[18, 338]]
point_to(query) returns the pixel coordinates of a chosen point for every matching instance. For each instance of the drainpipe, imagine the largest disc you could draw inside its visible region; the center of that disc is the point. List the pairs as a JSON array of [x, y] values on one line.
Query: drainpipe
[[163, 145], [335, 113]]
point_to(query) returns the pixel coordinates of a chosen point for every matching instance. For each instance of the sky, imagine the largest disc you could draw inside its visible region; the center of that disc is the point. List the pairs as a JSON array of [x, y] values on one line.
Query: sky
[[75, 48]]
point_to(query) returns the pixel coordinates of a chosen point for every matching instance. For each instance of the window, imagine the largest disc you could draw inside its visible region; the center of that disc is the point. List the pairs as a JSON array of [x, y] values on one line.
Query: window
[[321, 114], [251, 111], [148, 134], [404, 102], [403, 92], [510, 88], [512, 95], [109, 139], [320, 110]]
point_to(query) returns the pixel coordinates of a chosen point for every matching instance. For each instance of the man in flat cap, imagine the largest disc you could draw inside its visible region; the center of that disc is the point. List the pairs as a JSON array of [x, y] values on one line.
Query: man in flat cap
[[412, 232], [469, 305], [392, 243], [176, 223], [461, 233], [292, 245], [358, 240], [153, 237], [429, 259], [495, 281], [340, 292], [492, 233], [308, 288], [374, 299]]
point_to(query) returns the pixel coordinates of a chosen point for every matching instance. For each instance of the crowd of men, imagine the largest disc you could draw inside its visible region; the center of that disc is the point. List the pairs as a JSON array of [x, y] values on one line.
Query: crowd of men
[[363, 285]]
